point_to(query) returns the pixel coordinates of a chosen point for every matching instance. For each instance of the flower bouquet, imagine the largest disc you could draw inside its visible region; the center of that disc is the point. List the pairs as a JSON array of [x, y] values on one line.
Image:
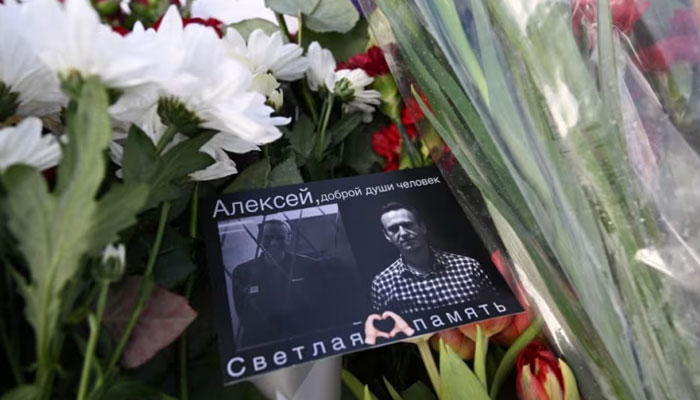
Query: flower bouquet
[[577, 123], [116, 117]]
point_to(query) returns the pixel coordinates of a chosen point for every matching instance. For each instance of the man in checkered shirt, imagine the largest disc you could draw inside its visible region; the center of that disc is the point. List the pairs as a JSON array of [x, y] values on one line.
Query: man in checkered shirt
[[422, 278]]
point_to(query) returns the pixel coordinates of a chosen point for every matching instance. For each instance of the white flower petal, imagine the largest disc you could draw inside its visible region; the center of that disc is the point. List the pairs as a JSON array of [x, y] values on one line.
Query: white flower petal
[[24, 144], [321, 67]]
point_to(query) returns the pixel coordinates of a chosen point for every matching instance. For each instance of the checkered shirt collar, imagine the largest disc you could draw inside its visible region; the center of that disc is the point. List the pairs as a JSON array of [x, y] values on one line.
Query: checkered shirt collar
[[436, 258]]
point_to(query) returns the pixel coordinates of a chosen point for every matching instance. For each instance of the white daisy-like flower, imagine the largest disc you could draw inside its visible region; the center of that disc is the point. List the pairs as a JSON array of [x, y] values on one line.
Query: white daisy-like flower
[[70, 37], [320, 73], [217, 90], [270, 54], [24, 144], [349, 86], [21, 71]]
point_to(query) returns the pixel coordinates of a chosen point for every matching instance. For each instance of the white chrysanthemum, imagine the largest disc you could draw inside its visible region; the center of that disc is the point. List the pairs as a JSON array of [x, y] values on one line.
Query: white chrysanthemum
[[24, 144], [165, 47], [321, 67], [70, 37], [218, 90], [270, 54], [349, 86], [20, 69]]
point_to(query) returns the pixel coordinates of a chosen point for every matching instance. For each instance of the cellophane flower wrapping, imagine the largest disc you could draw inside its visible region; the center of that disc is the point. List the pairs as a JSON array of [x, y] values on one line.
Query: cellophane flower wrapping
[[578, 124]]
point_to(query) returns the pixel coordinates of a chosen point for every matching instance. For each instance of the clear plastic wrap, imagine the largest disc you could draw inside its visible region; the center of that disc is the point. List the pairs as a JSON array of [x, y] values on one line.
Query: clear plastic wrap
[[579, 124]]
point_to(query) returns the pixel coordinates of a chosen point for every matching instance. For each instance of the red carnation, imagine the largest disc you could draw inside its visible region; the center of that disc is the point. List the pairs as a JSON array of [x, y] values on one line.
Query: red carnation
[[666, 52], [372, 62]]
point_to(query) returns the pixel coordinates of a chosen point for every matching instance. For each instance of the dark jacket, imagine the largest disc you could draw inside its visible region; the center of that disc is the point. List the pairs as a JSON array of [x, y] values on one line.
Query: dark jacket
[[278, 301]]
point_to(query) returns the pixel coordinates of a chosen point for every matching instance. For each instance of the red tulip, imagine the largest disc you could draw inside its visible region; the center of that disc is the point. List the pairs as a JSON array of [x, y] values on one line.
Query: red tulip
[[507, 336], [489, 327], [461, 344], [542, 376]]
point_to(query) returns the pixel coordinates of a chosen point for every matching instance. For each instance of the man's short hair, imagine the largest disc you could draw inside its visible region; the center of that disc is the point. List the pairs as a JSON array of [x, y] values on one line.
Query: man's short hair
[[278, 222], [395, 205]]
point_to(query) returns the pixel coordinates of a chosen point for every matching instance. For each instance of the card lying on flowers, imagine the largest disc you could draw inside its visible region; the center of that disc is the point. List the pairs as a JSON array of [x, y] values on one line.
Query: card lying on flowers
[[303, 272]]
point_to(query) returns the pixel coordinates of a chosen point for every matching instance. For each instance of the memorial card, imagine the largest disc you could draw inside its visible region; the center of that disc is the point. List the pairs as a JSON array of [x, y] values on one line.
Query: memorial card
[[319, 269]]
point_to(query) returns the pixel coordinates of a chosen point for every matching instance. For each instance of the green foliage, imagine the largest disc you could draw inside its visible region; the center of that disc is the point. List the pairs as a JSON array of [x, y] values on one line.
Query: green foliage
[[360, 390], [458, 382], [342, 45], [332, 16], [292, 7], [166, 174], [132, 388], [418, 391], [56, 230], [246, 27], [320, 16], [253, 177], [286, 173], [302, 136]]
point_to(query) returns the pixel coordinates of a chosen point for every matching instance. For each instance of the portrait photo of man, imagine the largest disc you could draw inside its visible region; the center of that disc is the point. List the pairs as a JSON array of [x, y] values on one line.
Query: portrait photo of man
[[277, 292], [422, 278]]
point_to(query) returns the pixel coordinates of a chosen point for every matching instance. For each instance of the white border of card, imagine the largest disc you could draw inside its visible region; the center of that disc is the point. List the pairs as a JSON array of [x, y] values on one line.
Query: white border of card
[[320, 269]]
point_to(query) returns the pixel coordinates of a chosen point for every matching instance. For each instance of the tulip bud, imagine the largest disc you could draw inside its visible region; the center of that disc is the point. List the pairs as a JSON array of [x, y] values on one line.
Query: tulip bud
[[462, 345], [517, 326], [541, 376], [489, 327]]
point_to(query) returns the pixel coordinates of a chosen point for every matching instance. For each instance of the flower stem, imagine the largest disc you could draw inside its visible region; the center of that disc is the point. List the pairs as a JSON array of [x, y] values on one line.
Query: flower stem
[[482, 343], [144, 292], [429, 362], [193, 211], [508, 361], [310, 102], [166, 138], [327, 108], [283, 25], [94, 321], [300, 30]]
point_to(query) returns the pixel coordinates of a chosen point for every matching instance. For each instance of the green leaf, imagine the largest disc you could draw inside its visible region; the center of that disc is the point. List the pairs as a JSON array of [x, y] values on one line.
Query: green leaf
[[301, 137], [174, 263], [292, 7], [167, 175], [23, 392], [246, 27], [418, 391], [131, 388], [392, 392], [285, 173], [342, 45], [358, 153], [344, 127], [54, 231], [253, 177], [457, 381], [140, 156], [116, 211], [356, 387], [332, 16]]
